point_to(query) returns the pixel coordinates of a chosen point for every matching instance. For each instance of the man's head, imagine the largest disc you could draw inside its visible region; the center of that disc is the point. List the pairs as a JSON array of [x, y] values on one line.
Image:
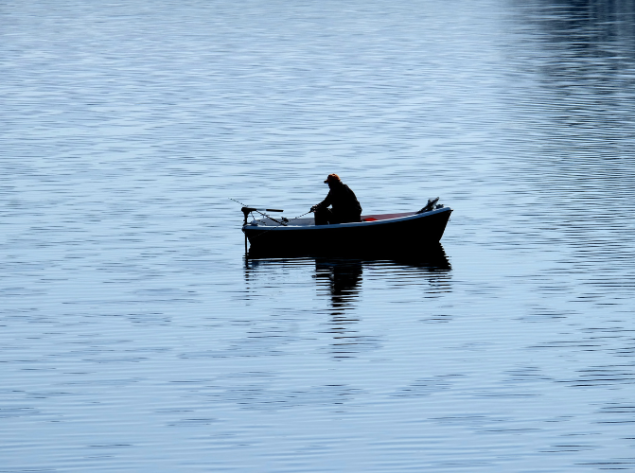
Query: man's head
[[332, 179]]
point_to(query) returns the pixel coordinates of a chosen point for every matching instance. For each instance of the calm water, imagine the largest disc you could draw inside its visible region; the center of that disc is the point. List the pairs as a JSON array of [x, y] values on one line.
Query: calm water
[[135, 335]]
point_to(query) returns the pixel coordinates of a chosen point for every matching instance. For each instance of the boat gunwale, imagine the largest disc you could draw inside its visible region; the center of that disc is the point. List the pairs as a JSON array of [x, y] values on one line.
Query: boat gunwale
[[387, 221]]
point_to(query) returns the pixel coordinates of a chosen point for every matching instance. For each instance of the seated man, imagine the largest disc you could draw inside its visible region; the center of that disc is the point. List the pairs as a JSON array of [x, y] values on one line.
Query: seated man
[[344, 204]]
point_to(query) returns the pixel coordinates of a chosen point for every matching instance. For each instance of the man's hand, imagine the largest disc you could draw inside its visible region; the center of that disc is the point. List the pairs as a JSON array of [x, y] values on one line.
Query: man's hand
[[314, 208]]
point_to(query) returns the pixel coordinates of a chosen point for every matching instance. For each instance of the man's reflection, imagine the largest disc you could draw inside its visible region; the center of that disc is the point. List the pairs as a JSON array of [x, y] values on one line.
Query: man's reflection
[[343, 279]]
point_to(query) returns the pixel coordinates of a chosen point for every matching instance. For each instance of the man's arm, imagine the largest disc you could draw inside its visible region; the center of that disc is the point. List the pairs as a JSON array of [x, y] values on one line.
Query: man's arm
[[328, 200]]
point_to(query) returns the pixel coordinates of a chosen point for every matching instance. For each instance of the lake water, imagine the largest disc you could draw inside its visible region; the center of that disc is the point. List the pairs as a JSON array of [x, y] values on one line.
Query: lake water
[[137, 337]]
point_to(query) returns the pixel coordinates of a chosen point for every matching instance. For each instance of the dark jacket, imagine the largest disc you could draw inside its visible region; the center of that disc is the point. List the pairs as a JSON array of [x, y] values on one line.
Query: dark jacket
[[346, 207]]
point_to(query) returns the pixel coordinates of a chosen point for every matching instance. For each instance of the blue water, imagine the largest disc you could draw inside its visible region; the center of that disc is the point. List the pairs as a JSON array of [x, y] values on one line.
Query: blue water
[[137, 337]]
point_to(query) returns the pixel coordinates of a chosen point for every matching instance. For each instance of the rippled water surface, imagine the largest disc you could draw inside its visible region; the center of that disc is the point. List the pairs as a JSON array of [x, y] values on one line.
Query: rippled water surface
[[137, 337]]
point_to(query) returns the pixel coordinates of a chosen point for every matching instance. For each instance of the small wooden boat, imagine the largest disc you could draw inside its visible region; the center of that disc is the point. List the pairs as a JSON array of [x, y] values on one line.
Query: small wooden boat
[[398, 232]]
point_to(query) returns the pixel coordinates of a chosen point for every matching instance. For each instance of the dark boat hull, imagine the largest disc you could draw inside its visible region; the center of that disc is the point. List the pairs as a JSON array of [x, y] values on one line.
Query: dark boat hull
[[381, 236]]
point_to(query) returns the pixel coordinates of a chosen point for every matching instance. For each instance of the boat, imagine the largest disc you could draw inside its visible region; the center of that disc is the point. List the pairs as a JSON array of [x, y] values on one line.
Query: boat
[[374, 234]]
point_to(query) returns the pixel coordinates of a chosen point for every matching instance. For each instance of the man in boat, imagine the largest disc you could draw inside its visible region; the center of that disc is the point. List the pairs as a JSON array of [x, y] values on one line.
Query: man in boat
[[344, 204]]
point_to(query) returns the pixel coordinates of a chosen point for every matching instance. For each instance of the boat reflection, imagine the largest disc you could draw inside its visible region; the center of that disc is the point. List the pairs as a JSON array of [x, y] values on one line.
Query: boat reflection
[[432, 253], [343, 275], [340, 281]]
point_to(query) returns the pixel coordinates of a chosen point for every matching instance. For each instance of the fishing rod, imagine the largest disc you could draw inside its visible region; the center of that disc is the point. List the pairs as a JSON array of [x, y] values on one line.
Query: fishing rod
[[247, 210]]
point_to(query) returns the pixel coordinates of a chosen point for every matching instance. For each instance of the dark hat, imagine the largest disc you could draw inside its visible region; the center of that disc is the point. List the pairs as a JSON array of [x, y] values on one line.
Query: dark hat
[[332, 178]]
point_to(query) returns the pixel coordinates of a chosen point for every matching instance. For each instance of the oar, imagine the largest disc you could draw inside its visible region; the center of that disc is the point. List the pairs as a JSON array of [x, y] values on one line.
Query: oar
[[429, 206]]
